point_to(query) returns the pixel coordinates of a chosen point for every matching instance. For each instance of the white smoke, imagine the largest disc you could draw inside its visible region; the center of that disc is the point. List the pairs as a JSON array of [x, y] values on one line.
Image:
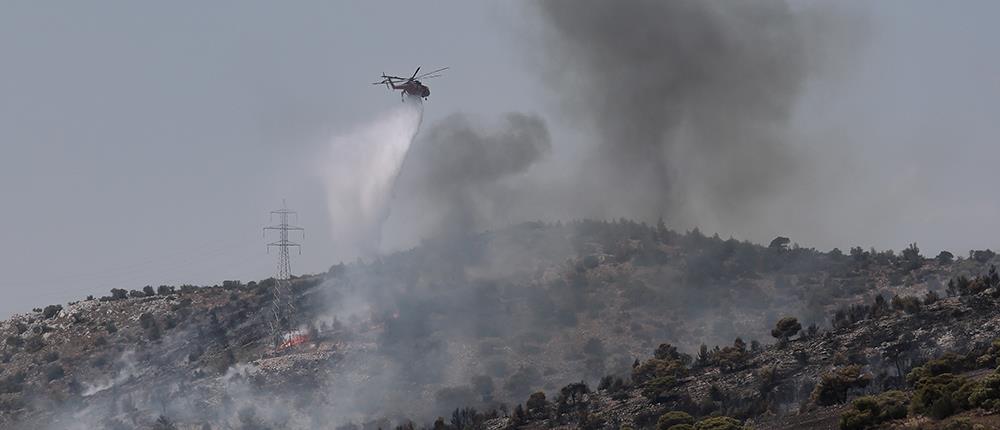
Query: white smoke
[[360, 173]]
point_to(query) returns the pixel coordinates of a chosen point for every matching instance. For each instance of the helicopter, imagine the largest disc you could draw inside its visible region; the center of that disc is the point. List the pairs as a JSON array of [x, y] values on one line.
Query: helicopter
[[410, 86]]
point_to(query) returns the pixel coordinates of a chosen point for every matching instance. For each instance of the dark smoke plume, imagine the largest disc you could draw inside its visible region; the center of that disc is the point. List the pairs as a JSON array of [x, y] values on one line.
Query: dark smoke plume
[[689, 100], [455, 177]]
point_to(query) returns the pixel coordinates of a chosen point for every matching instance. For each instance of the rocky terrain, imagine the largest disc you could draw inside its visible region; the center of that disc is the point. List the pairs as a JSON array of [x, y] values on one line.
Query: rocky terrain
[[614, 323]]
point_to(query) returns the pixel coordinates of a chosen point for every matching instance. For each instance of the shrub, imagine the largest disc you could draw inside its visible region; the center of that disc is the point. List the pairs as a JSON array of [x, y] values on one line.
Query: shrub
[[12, 384], [931, 297], [731, 358], [537, 405], [987, 394], [148, 291], [54, 372], [51, 311], [909, 304], [945, 257], [164, 290], [779, 243], [136, 294], [786, 328], [118, 293], [981, 256], [834, 386], [572, 395], [657, 368], [941, 396], [718, 423], [659, 388], [34, 344], [15, 341], [148, 323], [673, 418], [870, 411], [947, 363], [146, 320], [962, 424]]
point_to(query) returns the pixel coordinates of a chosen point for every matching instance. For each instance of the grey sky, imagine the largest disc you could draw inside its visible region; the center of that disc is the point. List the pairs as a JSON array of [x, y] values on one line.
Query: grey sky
[[144, 143]]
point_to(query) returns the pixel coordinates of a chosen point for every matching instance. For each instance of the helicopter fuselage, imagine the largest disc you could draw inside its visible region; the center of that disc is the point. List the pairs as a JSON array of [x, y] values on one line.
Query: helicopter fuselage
[[413, 88]]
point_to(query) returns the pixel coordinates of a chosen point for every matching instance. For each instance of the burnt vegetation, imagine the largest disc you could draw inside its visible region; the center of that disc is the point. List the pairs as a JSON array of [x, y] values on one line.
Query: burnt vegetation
[[592, 324]]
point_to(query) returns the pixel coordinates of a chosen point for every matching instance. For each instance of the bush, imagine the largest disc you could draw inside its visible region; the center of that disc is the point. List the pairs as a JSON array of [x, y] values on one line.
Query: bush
[[834, 386], [786, 328], [658, 388], [948, 363], [945, 257], [943, 395], [34, 344], [12, 384], [148, 291], [656, 368], [51, 311], [54, 372], [537, 405], [981, 256], [870, 411], [719, 423], [164, 290], [136, 294], [572, 395], [987, 394], [15, 341], [931, 297], [909, 304], [148, 323], [673, 418], [118, 293]]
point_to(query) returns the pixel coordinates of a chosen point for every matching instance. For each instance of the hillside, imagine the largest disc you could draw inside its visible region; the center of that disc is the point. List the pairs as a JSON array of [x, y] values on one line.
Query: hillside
[[484, 321]]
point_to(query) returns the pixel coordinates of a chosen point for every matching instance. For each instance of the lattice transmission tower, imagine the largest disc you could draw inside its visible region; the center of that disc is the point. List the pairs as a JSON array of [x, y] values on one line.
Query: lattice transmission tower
[[282, 305]]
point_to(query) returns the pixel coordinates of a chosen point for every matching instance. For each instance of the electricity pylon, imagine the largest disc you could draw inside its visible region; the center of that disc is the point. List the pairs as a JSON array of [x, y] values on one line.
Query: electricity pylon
[[282, 306]]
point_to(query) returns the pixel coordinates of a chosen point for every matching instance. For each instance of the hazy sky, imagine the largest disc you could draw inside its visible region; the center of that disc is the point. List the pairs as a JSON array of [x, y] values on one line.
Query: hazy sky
[[145, 143]]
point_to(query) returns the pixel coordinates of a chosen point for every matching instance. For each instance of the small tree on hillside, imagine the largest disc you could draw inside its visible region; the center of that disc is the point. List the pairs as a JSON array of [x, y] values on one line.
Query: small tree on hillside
[[786, 328], [780, 243], [945, 257]]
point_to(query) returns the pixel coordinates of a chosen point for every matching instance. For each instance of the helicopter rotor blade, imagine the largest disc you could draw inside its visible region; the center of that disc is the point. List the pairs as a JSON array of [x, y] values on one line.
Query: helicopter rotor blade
[[432, 72], [415, 73], [431, 76]]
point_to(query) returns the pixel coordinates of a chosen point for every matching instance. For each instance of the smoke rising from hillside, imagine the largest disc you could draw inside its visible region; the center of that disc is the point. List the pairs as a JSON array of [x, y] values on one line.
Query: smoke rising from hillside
[[689, 102], [361, 170], [461, 176]]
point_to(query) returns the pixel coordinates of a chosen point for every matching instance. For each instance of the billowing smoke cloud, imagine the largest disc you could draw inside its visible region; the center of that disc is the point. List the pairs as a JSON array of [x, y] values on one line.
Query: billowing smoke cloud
[[689, 101], [360, 171], [461, 175]]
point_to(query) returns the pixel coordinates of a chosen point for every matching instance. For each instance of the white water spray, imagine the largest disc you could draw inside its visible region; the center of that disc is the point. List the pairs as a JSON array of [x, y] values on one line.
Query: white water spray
[[361, 171]]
